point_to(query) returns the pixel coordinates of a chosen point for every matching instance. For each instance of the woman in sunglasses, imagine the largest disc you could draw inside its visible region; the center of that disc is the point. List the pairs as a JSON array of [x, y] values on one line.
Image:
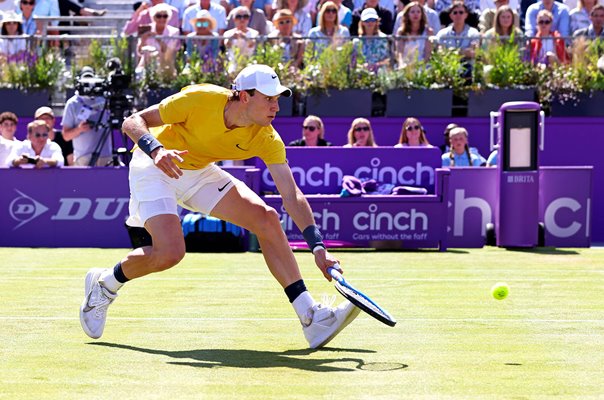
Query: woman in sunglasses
[[38, 151], [547, 47], [313, 133], [203, 41], [283, 37], [360, 134], [329, 31], [257, 18], [413, 134], [241, 40]]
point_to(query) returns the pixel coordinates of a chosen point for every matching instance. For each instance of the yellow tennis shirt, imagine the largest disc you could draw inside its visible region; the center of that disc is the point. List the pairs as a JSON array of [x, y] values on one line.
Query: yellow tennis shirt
[[194, 121]]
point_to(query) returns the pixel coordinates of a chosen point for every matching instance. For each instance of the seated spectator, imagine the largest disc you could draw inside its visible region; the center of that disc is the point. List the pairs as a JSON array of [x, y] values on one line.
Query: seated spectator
[[473, 11], [360, 134], [344, 13], [460, 154], [431, 17], [142, 16], [8, 125], [38, 151], [547, 47], [559, 17], [48, 116], [13, 45], [265, 6], [313, 133], [580, 16], [217, 11], [374, 43], [413, 134], [257, 18], [26, 9], [6, 149], [412, 43], [461, 36], [301, 15], [487, 18], [493, 158], [504, 26], [444, 148], [207, 48], [283, 37], [83, 122], [329, 31], [595, 29], [385, 16], [240, 41], [154, 47]]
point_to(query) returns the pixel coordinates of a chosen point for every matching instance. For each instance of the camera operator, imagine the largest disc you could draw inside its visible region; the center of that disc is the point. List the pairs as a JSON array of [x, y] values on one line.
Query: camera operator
[[84, 121], [38, 151]]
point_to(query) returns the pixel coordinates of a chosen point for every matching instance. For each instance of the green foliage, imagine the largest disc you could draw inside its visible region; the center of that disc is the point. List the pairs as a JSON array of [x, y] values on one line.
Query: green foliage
[[503, 65], [446, 69], [101, 52], [33, 71]]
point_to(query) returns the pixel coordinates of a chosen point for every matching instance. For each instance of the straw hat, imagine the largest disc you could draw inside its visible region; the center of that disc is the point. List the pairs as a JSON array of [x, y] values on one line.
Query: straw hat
[[284, 14], [204, 15]]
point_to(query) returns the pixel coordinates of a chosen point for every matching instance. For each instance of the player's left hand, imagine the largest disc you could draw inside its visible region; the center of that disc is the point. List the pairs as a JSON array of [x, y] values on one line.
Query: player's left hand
[[324, 260]]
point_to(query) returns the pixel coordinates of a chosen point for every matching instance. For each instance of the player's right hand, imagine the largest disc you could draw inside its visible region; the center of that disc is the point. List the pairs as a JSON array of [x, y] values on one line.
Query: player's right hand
[[164, 160]]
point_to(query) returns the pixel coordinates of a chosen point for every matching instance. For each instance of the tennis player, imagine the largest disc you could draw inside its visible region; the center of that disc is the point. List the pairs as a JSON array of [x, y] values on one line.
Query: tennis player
[[178, 142]]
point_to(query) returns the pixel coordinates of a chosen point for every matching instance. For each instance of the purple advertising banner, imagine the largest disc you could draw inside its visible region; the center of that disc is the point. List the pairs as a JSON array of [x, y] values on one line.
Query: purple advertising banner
[[319, 170], [566, 207]]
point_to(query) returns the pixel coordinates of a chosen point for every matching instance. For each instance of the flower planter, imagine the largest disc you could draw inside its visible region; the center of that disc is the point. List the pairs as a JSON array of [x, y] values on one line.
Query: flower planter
[[480, 104], [419, 103], [286, 106], [23, 103], [340, 103], [587, 105]]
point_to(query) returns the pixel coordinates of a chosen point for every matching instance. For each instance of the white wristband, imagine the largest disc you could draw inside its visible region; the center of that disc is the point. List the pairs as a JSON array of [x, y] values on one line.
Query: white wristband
[[317, 248]]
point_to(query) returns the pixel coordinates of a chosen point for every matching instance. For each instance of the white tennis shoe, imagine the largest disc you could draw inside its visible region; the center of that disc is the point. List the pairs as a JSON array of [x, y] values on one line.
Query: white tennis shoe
[[97, 298], [327, 322]]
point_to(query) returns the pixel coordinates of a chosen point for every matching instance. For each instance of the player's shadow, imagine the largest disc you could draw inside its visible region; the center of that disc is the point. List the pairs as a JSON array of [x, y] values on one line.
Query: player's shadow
[[238, 358]]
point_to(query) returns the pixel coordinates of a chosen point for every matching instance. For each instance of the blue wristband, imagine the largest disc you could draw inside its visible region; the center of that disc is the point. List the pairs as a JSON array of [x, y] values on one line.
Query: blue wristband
[[313, 237], [148, 143]]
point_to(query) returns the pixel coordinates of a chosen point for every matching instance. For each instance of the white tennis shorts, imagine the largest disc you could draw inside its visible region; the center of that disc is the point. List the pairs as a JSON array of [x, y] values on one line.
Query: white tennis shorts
[[154, 193]]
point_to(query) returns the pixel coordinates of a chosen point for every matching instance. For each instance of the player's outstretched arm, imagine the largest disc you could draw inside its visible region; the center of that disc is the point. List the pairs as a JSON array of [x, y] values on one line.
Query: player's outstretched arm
[[299, 210], [137, 127]]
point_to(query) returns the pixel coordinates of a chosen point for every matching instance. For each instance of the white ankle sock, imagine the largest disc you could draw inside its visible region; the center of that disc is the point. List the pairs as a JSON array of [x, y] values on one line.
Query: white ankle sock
[[108, 280], [302, 304]]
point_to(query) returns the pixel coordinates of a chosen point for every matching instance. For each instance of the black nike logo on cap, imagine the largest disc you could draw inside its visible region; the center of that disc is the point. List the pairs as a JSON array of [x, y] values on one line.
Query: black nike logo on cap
[[274, 76], [240, 148], [225, 185]]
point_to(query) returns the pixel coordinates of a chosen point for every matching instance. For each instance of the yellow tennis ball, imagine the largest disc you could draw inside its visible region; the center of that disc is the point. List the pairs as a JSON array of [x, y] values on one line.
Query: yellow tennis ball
[[500, 291]]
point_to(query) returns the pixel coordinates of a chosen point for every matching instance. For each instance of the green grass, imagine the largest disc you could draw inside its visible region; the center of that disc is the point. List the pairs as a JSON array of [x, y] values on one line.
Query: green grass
[[219, 327]]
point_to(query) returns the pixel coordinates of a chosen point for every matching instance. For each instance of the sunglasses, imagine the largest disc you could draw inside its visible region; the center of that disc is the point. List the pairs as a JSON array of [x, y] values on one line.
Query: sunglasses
[[162, 16], [285, 22], [202, 24], [413, 127], [242, 16], [310, 128], [362, 128], [370, 20], [545, 22], [45, 134], [458, 12], [331, 11], [28, 3]]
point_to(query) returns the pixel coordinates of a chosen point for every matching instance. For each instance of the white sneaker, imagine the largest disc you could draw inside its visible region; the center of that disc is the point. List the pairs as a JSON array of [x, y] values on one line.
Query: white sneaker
[[97, 299], [327, 322]]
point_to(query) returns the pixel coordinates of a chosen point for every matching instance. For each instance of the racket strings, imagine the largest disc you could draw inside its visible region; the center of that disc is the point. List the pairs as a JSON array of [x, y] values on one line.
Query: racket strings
[[361, 299]]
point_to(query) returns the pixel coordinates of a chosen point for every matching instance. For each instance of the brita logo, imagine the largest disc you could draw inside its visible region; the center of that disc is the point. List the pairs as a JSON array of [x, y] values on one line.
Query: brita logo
[[327, 175], [23, 209]]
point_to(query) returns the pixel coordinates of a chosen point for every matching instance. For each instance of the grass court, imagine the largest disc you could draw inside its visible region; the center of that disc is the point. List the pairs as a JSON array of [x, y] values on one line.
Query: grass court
[[218, 326]]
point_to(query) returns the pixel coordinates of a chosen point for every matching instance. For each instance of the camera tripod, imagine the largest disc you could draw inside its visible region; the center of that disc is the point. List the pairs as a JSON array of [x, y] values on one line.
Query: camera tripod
[[115, 106]]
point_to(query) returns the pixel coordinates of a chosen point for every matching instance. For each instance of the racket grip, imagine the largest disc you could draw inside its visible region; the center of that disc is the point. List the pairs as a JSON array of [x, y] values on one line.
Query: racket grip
[[335, 274]]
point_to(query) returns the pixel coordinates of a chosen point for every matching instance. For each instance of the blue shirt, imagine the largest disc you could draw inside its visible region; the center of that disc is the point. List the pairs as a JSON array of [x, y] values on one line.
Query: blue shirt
[[561, 21], [460, 160]]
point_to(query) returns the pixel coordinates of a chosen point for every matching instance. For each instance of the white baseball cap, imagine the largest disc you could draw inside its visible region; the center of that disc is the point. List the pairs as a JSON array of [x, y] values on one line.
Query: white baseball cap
[[262, 78], [369, 13]]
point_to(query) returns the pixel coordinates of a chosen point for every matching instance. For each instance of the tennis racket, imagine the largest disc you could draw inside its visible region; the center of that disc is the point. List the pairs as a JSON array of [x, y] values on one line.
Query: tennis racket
[[359, 299]]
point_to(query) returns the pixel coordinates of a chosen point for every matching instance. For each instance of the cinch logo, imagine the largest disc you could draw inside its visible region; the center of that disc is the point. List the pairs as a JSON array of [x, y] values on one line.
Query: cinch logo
[[462, 204], [327, 175], [23, 209], [325, 219], [401, 221], [554, 228]]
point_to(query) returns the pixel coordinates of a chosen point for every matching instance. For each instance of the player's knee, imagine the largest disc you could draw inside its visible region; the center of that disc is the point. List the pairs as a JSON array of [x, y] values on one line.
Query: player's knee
[[267, 221], [167, 258]]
